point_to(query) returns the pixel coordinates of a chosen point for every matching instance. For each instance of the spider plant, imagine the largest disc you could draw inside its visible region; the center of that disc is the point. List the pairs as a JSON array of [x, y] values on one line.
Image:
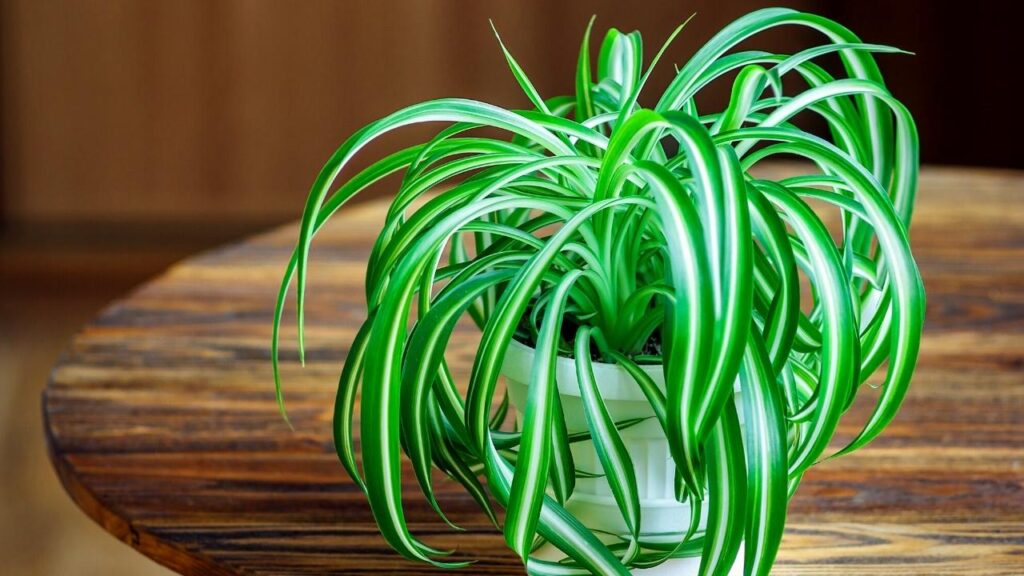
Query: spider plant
[[604, 230]]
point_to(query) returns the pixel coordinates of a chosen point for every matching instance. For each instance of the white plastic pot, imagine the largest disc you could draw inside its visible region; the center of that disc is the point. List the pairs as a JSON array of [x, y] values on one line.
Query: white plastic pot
[[592, 501]]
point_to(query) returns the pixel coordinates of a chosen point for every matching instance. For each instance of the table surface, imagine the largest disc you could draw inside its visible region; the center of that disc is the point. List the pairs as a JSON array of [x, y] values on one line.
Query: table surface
[[162, 426]]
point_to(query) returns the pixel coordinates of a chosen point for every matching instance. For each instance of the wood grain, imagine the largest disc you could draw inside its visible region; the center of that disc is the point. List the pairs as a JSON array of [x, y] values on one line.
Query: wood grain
[[162, 426]]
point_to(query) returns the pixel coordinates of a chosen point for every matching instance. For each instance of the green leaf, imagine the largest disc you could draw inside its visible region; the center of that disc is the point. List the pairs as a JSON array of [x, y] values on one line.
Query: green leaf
[[563, 469], [556, 525], [584, 80], [621, 61], [423, 358], [520, 75], [727, 494], [764, 443], [840, 345], [611, 451], [530, 479], [345, 401]]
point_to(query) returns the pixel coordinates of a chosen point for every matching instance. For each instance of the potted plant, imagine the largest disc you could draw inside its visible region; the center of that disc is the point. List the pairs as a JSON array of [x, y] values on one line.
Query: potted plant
[[679, 336]]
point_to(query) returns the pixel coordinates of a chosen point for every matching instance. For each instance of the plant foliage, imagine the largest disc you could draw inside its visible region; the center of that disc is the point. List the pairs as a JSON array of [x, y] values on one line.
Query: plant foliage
[[603, 230]]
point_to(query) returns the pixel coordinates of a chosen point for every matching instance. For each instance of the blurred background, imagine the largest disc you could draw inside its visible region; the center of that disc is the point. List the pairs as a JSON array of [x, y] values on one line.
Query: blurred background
[[135, 133]]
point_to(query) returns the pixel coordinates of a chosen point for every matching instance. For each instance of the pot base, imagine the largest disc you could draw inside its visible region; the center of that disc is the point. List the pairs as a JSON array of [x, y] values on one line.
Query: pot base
[[673, 567], [681, 567]]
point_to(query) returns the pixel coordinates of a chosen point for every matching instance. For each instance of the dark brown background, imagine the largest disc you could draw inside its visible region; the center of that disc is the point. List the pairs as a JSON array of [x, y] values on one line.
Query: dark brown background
[[134, 133], [121, 111]]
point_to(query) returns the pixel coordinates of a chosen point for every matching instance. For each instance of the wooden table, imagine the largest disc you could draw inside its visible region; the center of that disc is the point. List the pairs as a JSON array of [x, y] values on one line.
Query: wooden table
[[162, 425]]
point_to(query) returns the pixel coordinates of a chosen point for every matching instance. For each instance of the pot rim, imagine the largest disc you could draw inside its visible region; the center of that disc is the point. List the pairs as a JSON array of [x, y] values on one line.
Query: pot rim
[[613, 381]]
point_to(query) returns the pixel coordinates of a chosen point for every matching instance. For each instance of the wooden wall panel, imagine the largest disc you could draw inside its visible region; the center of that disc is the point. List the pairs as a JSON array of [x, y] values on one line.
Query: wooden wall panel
[[117, 110]]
